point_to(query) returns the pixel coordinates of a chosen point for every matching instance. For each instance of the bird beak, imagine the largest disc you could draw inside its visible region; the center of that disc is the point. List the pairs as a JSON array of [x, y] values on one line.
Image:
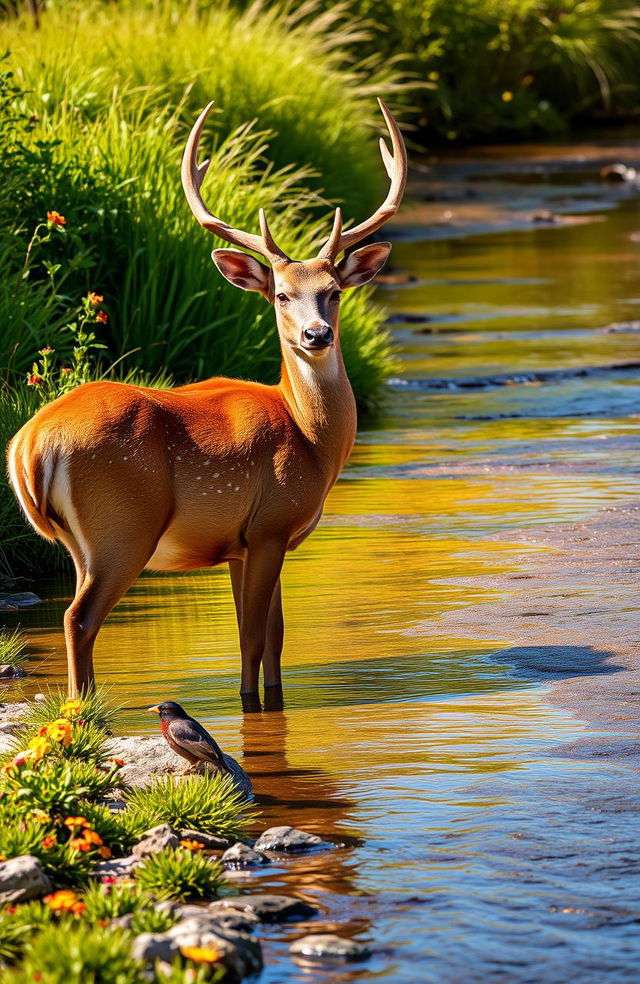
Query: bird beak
[[153, 710]]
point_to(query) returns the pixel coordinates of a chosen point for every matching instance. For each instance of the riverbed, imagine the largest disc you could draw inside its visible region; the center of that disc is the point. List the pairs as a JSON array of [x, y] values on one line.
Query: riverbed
[[461, 695]]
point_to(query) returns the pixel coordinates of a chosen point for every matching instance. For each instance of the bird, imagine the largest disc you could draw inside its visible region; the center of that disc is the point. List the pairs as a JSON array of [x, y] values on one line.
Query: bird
[[187, 738]]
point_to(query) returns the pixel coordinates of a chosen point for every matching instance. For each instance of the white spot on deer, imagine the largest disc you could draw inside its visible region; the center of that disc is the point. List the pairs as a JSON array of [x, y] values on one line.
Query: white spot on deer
[[219, 490], [237, 488], [216, 474], [178, 458], [199, 479]]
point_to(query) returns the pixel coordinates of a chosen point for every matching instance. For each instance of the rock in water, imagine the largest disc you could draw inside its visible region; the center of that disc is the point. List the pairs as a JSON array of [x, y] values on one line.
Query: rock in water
[[268, 908], [328, 948], [149, 757], [288, 840], [21, 879], [210, 842], [243, 856]]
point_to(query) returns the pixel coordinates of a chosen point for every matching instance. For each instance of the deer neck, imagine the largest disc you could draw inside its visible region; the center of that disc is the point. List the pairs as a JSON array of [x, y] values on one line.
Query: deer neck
[[319, 397]]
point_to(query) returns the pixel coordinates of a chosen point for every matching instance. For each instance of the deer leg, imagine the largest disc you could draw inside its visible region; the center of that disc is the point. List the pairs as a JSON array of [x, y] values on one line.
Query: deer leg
[[236, 570], [261, 572], [274, 641]]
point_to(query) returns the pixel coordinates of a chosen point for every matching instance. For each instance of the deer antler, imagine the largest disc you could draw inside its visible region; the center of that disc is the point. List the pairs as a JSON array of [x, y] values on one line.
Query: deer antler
[[193, 174], [396, 168]]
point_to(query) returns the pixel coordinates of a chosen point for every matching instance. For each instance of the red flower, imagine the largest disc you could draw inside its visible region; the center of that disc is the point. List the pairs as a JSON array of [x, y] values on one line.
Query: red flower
[[34, 379], [102, 316], [56, 219], [109, 880]]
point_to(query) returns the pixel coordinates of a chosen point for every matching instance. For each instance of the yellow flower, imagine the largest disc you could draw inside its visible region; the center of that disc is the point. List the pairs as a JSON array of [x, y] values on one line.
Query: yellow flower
[[71, 708], [507, 96], [64, 901], [192, 845], [200, 954], [60, 730], [38, 748], [76, 822]]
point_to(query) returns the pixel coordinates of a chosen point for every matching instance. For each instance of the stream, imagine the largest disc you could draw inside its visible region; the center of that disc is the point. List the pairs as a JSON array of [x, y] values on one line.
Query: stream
[[418, 732]]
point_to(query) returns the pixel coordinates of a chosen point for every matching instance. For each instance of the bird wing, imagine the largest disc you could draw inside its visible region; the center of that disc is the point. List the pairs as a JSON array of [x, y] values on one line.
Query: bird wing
[[193, 738]]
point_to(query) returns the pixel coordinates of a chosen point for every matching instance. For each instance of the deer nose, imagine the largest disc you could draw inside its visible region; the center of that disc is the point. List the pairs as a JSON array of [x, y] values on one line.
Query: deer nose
[[318, 336]]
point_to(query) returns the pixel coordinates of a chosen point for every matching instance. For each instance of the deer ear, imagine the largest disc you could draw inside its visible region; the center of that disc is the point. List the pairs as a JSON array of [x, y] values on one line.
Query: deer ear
[[242, 270], [361, 266]]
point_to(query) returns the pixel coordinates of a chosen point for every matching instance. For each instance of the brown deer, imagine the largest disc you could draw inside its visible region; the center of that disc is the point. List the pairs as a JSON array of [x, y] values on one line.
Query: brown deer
[[221, 471]]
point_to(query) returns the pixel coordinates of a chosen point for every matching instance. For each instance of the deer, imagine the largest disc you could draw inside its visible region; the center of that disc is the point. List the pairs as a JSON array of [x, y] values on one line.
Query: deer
[[128, 477]]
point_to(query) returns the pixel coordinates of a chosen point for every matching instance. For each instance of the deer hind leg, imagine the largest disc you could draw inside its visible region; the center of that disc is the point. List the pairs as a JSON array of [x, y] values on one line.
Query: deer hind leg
[[261, 572], [271, 657]]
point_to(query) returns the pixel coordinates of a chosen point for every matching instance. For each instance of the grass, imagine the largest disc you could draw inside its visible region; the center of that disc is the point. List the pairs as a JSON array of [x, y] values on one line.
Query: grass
[[12, 647], [181, 875], [210, 804]]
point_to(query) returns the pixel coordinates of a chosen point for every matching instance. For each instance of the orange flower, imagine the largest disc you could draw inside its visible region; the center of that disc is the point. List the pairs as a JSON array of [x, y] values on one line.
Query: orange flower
[[95, 300], [104, 852], [79, 844], [60, 730], [65, 370], [117, 761], [34, 379], [47, 350], [55, 218], [200, 954], [48, 841], [65, 901], [102, 316], [192, 845], [92, 837], [76, 822]]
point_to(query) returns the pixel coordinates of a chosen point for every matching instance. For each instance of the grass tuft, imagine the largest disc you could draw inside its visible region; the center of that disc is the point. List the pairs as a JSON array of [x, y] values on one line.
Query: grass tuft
[[209, 803], [181, 875], [12, 647]]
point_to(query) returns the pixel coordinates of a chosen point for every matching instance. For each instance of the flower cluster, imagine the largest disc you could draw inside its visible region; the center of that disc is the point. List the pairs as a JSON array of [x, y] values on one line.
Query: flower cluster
[[65, 901], [83, 838]]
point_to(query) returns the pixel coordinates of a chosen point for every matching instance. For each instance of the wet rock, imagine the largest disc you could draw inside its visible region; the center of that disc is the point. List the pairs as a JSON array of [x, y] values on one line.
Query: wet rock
[[328, 948], [148, 757], [160, 838], [618, 173], [545, 217], [17, 599], [288, 839], [228, 919], [149, 947], [243, 856], [209, 841], [21, 879], [117, 867], [239, 952], [11, 671], [267, 908]]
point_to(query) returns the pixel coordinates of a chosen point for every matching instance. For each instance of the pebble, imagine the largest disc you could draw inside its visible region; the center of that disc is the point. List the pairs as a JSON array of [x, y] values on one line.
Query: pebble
[[243, 856]]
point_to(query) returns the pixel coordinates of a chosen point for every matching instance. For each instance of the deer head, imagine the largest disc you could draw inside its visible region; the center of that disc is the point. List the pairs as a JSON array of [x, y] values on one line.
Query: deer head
[[305, 294]]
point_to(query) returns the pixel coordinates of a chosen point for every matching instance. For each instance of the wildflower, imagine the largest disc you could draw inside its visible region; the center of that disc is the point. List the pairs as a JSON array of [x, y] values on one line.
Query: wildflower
[[95, 300], [47, 350], [102, 316], [40, 816], [48, 841], [11, 910], [507, 96], [117, 761], [192, 845], [55, 218], [64, 901], [38, 748], [79, 844], [104, 852], [76, 822], [71, 708], [433, 76], [60, 730], [200, 954], [34, 379], [65, 370], [91, 836], [109, 880]]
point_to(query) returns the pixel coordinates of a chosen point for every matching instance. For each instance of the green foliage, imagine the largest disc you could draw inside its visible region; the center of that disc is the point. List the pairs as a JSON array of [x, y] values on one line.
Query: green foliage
[[95, 708], [183, 875], [209, 803], [152, 920], [56, 785], [104, 901], [12, 646], [87, 742], [76, 954], [14, 936]]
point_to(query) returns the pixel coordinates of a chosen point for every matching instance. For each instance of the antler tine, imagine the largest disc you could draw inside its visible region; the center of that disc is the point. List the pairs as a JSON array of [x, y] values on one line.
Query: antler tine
[[396, 167], [193, 174], [330, 248]]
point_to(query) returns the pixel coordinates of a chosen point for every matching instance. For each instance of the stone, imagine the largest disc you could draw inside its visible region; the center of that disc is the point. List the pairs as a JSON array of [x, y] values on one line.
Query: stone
[[18, 599], [10, 670], [122, 922], [40, 698], [7, 744], [239, 952], [117, 867], [209, 841], [160, 838], [268, 908], [239, 922], [328, 948], [288, 840], [243, 856], [149, 947], [10, 727], [21, 879]]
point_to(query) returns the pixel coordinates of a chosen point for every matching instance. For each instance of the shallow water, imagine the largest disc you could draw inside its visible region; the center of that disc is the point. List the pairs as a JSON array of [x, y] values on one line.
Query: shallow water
[[474, 849]]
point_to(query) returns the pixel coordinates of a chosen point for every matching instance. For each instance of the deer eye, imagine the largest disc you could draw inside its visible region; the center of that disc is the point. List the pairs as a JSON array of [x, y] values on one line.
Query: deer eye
[[282, 298], [335, 297]]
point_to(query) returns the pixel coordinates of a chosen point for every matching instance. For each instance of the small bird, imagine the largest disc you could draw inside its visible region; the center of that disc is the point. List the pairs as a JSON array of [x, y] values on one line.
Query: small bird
[[189, 739]]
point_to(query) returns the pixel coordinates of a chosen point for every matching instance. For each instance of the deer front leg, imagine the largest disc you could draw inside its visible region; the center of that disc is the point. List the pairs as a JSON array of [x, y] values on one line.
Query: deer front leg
[[262, 568], [271, 658]]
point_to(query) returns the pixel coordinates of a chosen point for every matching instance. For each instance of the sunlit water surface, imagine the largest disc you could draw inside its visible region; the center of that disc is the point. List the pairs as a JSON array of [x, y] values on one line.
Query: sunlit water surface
[[474, 850]]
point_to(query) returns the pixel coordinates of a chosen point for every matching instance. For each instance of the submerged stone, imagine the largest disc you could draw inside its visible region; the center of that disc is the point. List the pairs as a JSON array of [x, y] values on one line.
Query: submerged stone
[[268, 908], [328, 948], [288, 840], [243, 856]]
